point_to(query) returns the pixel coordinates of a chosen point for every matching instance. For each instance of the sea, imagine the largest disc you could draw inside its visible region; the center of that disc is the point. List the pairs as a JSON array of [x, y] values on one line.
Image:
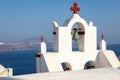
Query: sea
[[24, 62]]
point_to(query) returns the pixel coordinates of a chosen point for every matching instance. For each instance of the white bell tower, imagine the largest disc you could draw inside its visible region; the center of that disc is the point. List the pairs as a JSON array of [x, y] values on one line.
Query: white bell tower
[[87, 41]]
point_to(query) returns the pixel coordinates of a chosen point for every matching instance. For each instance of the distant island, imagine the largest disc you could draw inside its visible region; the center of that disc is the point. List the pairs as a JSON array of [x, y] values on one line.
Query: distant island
[[36, 46], [29, 44], [18, 47]]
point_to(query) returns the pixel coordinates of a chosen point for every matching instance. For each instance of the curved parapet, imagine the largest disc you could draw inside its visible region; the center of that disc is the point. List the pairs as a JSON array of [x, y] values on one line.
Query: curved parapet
[[55, 24], [75, 19], [1, 68], [49, 63], [5, 72], [107, 58]]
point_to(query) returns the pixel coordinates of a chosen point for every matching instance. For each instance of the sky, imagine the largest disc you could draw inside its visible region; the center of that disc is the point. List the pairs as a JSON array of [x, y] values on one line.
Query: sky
[[25, 19]]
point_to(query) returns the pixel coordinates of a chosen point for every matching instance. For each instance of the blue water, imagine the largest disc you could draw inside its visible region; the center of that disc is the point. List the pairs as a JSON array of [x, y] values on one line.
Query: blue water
[[24, 62]]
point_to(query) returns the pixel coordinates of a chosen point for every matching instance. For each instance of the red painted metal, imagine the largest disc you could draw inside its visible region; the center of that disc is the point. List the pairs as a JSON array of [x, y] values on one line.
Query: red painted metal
[[75, 8], [54, 33], [42, 38], [66, 69], [71, 33], [37, 55], [102, 36], [81, 33], [88, 67]]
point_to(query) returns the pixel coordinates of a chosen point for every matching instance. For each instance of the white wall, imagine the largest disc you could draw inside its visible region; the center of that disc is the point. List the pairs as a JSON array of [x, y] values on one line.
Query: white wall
[[64, 40], [90, 43], [50, 63], [77, 60], [107, 58]]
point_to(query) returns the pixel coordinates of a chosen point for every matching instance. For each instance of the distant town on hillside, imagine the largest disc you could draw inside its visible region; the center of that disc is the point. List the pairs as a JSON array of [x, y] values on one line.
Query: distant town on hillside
[[30, 44], [34, 44]]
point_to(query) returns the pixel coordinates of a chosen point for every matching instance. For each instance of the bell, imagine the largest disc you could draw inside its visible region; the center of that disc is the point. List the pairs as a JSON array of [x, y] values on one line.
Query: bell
[[75, 36]]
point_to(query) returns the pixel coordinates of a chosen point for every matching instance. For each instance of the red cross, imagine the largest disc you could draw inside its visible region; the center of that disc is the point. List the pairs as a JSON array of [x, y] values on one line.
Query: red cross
[[102, 36], [42, 38], [75, 8]]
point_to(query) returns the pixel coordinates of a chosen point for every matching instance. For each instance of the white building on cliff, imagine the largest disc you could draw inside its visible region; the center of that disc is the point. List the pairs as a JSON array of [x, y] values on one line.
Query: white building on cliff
[[2, 43]]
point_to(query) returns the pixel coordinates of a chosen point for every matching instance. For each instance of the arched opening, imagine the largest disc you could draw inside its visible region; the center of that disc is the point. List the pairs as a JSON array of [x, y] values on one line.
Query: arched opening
[[78, 34], [89, 65], [74, 36], [66, 66]]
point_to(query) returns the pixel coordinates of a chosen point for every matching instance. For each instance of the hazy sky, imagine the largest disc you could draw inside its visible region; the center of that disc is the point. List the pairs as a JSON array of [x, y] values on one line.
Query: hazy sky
[[24, 19]]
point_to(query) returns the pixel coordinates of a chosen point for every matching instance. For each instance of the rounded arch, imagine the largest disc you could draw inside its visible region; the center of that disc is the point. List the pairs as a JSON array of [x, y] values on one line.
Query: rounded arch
[[81, 23], [81, 35], [66, 66], [78, 44], [89, 64], [75, 19]]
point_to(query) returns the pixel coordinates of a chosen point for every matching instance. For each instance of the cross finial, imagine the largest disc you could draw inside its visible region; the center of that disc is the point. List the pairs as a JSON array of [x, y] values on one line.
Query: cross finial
[[102, 36], [75, 8], [42, 38]]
